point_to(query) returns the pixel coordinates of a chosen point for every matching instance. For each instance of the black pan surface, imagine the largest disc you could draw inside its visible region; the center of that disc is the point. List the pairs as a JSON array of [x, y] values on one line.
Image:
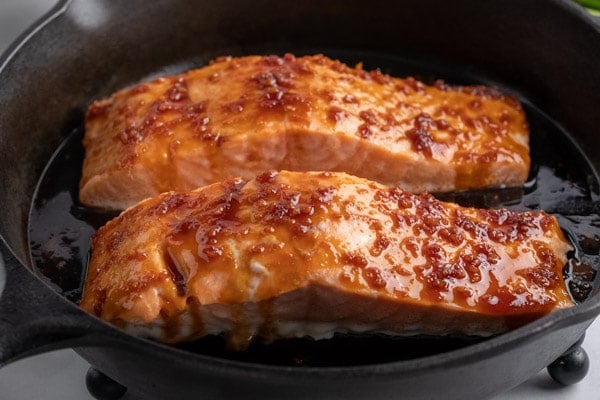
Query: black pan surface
[[561, 182]]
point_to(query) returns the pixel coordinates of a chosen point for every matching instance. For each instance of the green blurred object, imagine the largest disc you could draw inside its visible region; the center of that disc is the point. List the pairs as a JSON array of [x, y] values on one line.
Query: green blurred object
[[593, 6]]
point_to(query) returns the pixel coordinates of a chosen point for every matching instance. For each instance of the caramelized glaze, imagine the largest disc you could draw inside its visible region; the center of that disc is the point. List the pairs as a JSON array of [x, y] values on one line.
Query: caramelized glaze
[[291, 254], [240, 116]]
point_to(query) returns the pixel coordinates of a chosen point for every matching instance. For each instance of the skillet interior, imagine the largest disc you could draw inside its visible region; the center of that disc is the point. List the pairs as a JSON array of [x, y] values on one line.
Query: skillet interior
[[561, 182]]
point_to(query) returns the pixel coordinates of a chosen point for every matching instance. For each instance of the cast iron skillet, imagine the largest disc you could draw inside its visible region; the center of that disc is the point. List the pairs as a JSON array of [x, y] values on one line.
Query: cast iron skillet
[[547, 51]]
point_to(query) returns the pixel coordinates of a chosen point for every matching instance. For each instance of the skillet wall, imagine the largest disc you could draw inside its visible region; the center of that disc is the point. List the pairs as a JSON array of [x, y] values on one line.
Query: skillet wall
[[540, 47]]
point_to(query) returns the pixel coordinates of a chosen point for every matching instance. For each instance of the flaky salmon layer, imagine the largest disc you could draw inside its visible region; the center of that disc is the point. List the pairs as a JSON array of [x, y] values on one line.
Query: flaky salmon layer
[[291, 254], [241, 116]]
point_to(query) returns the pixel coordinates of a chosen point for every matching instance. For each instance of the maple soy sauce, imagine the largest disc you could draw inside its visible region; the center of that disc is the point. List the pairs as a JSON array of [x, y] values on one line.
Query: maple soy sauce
[[561, 182]]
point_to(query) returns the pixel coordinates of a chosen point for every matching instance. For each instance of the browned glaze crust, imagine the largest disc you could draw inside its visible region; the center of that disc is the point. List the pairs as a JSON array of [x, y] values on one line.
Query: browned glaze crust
[[275, 254], [240, 116]]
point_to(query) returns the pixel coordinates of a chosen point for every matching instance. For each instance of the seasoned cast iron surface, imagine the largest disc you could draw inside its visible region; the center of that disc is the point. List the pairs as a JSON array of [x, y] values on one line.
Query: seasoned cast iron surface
[[561, 182]]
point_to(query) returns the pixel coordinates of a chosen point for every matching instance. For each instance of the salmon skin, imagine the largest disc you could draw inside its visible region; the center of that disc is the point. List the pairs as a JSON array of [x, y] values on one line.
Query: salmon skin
[[241, 116], [293, 254]]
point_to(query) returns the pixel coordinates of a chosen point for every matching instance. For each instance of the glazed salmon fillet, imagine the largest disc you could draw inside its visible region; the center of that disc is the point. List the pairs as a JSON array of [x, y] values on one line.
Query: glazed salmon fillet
[[293, 254], [241, 116]]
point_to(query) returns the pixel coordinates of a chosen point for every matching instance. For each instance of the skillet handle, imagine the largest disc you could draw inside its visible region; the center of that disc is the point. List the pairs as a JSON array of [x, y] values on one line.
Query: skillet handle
[[34, 319]]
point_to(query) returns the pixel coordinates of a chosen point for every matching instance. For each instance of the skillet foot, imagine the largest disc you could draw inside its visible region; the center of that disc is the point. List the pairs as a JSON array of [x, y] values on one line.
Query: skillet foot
[[101, 387], [572, 366]]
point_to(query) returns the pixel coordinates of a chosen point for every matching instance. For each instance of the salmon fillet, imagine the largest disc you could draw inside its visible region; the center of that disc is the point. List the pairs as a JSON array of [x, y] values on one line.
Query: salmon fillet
[[241, 116], [291, 254]]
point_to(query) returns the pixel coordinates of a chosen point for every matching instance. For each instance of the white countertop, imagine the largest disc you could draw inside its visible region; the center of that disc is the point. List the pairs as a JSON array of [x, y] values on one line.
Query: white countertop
[[60, 375]]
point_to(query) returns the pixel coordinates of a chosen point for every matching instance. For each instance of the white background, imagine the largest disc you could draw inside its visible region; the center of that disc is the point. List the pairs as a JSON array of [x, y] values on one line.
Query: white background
[[61, 374]]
